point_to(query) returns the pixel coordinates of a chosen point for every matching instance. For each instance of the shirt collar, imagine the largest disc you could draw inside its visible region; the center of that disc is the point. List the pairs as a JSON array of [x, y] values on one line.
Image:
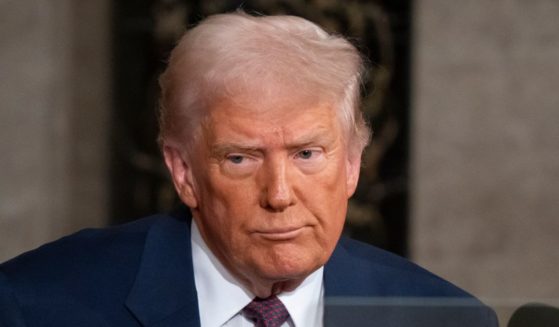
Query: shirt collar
[[305, 304], [217, 289]]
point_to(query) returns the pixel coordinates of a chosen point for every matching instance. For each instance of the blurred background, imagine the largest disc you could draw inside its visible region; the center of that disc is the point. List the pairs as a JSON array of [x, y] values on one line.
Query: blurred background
[[462, 176]]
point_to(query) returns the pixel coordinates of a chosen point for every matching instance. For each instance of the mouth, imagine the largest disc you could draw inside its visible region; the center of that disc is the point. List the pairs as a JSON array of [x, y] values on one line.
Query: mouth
[[280, 234]]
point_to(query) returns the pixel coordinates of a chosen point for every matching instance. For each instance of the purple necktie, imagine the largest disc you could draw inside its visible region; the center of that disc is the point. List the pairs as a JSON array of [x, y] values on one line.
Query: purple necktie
[[268, 312]]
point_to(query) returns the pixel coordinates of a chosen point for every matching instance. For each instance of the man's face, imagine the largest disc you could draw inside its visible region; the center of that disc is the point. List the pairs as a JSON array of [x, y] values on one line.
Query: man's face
[[269, 188]]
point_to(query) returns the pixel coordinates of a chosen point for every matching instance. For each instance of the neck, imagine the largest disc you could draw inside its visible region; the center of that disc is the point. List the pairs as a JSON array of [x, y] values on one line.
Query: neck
[[264, 289]]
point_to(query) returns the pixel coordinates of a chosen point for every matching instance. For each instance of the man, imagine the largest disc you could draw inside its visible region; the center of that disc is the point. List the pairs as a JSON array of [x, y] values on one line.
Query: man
[[262, 135]]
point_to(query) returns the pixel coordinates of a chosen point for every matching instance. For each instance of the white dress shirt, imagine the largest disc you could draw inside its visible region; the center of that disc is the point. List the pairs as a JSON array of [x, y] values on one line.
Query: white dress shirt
[[221, 298]]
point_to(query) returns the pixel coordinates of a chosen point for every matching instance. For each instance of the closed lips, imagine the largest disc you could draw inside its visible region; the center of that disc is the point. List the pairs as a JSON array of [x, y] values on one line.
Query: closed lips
[[280, 233]]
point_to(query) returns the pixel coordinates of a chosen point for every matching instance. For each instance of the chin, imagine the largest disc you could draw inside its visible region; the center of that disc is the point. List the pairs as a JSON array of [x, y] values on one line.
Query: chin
[[288, 268]]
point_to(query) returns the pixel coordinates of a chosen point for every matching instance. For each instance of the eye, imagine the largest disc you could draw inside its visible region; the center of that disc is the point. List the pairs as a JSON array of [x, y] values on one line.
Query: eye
[[236, 158], [238, 165], [311, 160], [306, 154]]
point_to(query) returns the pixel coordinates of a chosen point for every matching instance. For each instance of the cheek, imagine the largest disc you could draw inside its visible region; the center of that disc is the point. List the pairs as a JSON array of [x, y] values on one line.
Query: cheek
[[328, 192], [225, 207], [221, 195], [328, 202], [332, 224]]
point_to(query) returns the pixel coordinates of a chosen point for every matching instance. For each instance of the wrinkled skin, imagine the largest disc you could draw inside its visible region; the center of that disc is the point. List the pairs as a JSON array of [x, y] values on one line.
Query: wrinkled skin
[[268, 190]]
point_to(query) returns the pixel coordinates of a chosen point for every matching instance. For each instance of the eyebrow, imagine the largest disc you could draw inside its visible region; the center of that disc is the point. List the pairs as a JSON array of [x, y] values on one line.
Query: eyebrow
[[221, 149], [321, 136]]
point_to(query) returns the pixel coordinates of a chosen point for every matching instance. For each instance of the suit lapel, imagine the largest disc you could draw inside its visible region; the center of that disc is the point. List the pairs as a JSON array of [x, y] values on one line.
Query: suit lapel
[[164, 293], [349, 274], [338, 273]]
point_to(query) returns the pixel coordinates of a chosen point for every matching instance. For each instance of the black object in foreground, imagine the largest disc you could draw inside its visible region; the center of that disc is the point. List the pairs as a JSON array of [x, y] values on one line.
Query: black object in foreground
[[407, 312], [535, 315]]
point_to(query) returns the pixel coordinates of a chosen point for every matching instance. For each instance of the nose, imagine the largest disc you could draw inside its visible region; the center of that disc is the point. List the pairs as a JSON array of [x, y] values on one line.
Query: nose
[[277, 193]]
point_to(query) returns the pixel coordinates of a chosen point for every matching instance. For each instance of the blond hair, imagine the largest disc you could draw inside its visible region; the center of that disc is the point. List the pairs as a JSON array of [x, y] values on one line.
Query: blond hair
[[262, 57]]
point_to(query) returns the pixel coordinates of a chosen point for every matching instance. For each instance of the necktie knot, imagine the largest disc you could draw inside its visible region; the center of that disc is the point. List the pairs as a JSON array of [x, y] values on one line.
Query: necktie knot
[[268, 312]]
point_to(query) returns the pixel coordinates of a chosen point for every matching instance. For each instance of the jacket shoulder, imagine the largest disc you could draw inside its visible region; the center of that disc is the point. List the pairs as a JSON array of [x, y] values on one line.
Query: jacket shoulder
[[81, 274], [381, 273], [88, 246], [364, 283]]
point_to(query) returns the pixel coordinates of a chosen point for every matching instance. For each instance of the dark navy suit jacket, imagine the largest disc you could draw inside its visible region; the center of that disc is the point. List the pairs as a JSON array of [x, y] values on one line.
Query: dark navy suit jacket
[[140, 274]]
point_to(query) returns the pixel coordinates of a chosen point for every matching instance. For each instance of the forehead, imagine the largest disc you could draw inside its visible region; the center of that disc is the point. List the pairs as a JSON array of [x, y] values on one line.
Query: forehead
[[274, 123]]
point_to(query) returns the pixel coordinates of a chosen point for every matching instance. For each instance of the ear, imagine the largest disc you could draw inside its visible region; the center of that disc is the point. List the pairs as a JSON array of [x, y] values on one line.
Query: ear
[[353, 167], [181, 173]]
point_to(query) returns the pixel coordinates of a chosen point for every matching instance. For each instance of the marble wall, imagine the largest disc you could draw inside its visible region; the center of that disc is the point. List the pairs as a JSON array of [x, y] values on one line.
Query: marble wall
[[55, 100], [485, 141]]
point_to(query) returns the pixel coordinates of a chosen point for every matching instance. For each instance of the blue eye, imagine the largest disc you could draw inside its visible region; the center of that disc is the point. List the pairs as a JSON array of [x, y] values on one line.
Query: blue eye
[[236, 159], [305, 154]]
